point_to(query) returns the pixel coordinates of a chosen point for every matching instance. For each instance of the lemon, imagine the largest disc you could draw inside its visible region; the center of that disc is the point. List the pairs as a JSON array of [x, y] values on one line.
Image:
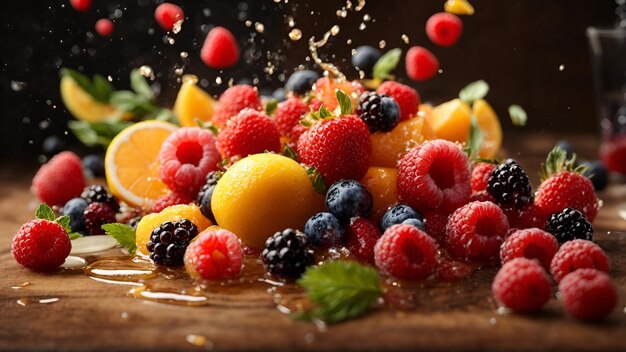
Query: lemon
[[458, 7], [192, 102], [83, 106]]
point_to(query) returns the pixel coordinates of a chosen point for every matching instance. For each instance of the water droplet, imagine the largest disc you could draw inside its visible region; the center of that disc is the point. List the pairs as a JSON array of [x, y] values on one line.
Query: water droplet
[[218, 80], [109, 78], [17, 85], [342, 13], [382, 44], [561, 67], [178, 71], [309, 338], [184, 54], [177, 26], [405, 38], [206, 12], [20, 286], [259, 27], [367, 17], [290, 21], [248, 23], [493, 321], [48, 300], [146, 71], [295, 34], [349, 41], [334, 30], [124, 315], [362, 26], [199, 340]]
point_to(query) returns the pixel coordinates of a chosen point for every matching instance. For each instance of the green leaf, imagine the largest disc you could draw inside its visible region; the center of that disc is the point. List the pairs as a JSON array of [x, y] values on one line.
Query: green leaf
[[386, 64], [97, 133], [166, 115], [124, 234], [103, 87], [557, 161], [290, 153], [44, 212], [518, 115], [74, 235], [208, 125], [344, 103], [316, 178], [474, 91], [127, 101], [475, 139], [64, 221], [140, 85], [271, 106], [100, 89], [341, 290], [324, 113]]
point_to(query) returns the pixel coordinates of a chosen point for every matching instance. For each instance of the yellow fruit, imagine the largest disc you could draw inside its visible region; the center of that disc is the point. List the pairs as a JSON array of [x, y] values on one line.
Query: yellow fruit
[[262, 194], [381, 182], [388, 147], [131, 163], [192, 102], [83, 106], [149, 222], [490, 126], [451, 120], [458, 7]]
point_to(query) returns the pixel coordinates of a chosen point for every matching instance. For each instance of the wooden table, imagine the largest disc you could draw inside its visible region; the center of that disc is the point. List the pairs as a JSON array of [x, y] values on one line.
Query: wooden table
[[91, 315]]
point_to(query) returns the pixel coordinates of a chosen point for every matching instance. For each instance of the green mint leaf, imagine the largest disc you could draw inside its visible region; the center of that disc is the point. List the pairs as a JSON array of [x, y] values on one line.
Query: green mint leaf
[[475, 139], [97, 133], [341, 290], [324, 113], [74, 235], [82, 130], [166, 115], [344, 103], [124, 234], [44, 212], [140, 85], [474, 91], [64, 221], [386, 64], [103, 87], [271, 106], [518, 115], [290, 153], [127, 101]]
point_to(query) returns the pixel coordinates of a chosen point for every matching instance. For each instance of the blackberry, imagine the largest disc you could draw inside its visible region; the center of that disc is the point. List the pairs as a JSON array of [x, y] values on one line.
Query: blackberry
[[510, 186], [97, 214], [99, 194], [206, 194], [169, 241], [324, 230], [347, 198], [379, 112], [133, 222], [287, 254], [569, 224], [398, 214]]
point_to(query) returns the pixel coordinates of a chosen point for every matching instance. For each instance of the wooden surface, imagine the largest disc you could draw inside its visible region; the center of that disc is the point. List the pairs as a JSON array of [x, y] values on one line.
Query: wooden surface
[[91, 315]]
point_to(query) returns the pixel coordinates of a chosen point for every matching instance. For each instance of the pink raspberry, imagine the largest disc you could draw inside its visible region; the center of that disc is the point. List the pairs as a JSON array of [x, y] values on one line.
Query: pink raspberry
[[522, 285], [435, 222], [578, 254], [288, 115], [362, 237], [60, 179], [169, 200], [41, 245], [166, 15], [475, 232], [186, 157], [530, 243], [480, 176], [235, 99], [420, 63], [434, 174], [214, 255], [482, 196], [588, 294], [405, 252]]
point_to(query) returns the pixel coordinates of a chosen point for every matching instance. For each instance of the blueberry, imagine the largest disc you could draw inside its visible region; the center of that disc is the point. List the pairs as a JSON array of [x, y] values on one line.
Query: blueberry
[[365, 58], [52, 145], [301, 82], [74, 208], [204, 200], [324, 230], [415, 222], [348, 198], [597, 173], [397, 214], [567, 146], [95, 164], [279, 94]]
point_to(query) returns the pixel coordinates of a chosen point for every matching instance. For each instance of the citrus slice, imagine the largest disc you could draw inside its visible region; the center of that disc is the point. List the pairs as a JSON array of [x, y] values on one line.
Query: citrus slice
[[192, 102], [82, 106], [490, 126], [451, 120], [131, 163]]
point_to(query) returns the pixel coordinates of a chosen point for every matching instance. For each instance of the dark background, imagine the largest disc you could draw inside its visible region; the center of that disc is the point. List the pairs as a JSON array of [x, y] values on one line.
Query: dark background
[[516, 46]]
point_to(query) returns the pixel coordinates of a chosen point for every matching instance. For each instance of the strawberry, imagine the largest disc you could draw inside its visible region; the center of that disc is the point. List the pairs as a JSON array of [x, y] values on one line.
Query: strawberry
[[220, 49], [288, 115], [250, 132], [235, 99]]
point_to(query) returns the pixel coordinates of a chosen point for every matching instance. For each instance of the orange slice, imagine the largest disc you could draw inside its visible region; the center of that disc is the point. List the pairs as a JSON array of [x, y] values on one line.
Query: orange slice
[[83, 107], [490, 126], [131, 163], [192, 102]]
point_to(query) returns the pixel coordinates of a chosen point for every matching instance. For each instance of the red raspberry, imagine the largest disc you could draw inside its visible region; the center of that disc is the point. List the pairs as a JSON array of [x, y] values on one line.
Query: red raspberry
[[613, 154], [522, 285], [59, 180], [97, 214], [434, 175], [407, 98], [81, 5], [214, 255], [362, 237], [167, 15], [435, 222], [41, 245], [475, 232], [288, 115], [186, 157], [480, 176], [578, 254], [104, 27], [452, 270], [339, 148], [420, 64], [527, 217], [235, 99], [169, 200], [220, 49], [444, 29], [532, 244], [406, 252], [588, 294], [250, 132], [482, 196]]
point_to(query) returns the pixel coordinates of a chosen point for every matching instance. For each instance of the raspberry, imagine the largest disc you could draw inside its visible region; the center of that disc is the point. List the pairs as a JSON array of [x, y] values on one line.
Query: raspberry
[[220, 48], [215, 255], [481, 172], [235, 99], [510, 185], [527, 217], [578, 254], [362, 237], [568, 225], [475, 232], [186, 157], [420, 63], [206, 194], [59, 180], [169, 200], [41, 245], [96, 215], [530, 243], [301, 82], [435, 222], [451, 270], [522, 285], [348, 198], [169, 241], [287, 254], [379, 112], [104, 27], [444, 29], [588, 294], [99, 194], [434, 175], [406, 97], [81, 5], [324, 230], [405, 252], [250, 132], [397, 215], [482, 196], [613, 154], [288, 115], [167, 15]]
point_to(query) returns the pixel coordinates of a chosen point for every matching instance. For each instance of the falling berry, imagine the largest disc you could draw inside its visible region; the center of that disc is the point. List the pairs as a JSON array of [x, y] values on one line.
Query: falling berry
[[220, 49], [167, 15], [104, 27], [81, 5]]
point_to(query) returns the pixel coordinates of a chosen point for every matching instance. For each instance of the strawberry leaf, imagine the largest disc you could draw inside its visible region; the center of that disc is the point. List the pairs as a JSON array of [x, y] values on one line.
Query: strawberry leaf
[[290, 153], [271, 106], [475, 139], [44, 212], [324, 113], [386, 64], [345, 104]]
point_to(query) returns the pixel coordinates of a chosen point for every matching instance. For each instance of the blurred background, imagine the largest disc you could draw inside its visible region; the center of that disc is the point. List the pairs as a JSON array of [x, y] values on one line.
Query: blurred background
[[532, 52]]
